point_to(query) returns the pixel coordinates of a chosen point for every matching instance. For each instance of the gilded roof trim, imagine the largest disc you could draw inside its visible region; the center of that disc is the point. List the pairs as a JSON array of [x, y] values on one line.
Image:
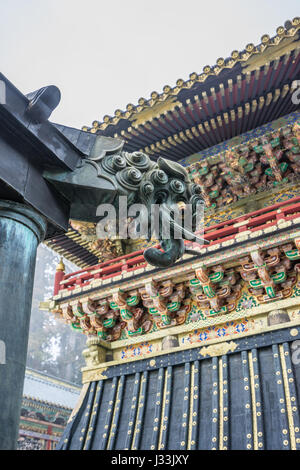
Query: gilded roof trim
[[222, 64], [49, 404], [211, 123]]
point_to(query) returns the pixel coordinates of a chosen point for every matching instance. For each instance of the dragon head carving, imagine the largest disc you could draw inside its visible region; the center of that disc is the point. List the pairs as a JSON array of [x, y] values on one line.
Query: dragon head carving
[[109, 172]]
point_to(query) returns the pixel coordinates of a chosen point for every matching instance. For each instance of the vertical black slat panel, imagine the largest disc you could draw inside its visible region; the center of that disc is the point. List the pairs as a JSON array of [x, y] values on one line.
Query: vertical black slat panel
[[257, 408], [247, 429], [178, 394], [282, 430], [271, 404], [133, 411], [205, 406], [101, 405], [237, 402], [157, 409], [116, 414], [290, 395], [108, 402], [269, 397], [224, 438], [74, 421], [185, 408], [140, 412], [194, 406], [150, 400], [165, 416], [80, 434], [124, 413], [94, 416], [295, 358], [215, 412]]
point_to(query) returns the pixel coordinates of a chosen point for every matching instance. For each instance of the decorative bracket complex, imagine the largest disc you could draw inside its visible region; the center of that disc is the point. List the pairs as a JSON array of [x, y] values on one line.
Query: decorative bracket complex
[[137, 321], [166, 303], [270, 160], [216, 290], [269, 274]]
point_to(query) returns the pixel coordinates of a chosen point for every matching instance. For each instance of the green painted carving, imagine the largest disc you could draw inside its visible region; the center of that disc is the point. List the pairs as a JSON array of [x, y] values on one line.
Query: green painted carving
[[132, 301], [125, 314], [292, 254], [173, 306], [109, 322]]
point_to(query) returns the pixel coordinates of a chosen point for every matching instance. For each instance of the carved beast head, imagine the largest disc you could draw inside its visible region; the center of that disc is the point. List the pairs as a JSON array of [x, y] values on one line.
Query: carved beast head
[[108, 172]]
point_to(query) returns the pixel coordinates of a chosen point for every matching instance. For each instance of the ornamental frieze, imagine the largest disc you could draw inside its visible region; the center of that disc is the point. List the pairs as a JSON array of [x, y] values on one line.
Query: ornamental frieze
[[263, 275], [260, 165]]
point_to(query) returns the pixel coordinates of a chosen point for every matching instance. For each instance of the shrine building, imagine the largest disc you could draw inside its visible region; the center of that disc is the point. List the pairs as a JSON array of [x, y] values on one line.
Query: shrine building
[[191, 344], [218, 366]]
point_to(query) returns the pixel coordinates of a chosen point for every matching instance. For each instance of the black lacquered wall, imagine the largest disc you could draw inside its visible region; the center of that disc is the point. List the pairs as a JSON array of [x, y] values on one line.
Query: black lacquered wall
[[245, 399]]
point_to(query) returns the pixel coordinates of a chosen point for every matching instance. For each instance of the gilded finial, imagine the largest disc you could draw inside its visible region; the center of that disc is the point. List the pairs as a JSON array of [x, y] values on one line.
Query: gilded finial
[[60, 266]]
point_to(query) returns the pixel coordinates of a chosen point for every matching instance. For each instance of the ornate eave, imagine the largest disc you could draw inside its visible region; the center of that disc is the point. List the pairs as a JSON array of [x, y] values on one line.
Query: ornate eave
[[234, 96], [44, 404], [246, 170], [254, 255]]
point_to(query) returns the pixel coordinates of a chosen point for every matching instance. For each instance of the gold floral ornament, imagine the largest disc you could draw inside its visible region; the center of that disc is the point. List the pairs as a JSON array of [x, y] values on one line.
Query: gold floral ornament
[[104, 249], [218, 349], [87, 230]]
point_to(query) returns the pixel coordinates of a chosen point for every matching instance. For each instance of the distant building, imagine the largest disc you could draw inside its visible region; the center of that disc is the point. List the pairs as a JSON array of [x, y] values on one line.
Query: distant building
[[46, 406]]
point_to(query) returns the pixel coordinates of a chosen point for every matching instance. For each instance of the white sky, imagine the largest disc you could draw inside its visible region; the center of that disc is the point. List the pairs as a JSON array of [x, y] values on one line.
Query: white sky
[[103, 54]]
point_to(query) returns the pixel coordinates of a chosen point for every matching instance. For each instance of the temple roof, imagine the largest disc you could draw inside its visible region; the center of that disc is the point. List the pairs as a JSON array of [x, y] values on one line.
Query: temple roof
[[74, 248], [230, 105], [256, 177], [237, 94], [45, 388]]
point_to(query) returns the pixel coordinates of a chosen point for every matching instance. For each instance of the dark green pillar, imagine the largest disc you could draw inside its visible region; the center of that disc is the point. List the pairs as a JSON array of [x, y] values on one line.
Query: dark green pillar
[[21, 230]]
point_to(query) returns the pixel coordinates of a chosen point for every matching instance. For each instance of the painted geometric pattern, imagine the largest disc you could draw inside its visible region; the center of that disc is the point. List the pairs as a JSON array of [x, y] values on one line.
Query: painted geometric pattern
[[246, 302], [282, 196], [196, 315], [223, 216], [220, 331], [138, 350], [296, 292]]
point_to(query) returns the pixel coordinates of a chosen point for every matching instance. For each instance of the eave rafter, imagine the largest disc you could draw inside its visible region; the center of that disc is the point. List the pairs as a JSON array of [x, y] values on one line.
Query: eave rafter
[[214, 130], [268, 47], [72, 247]]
